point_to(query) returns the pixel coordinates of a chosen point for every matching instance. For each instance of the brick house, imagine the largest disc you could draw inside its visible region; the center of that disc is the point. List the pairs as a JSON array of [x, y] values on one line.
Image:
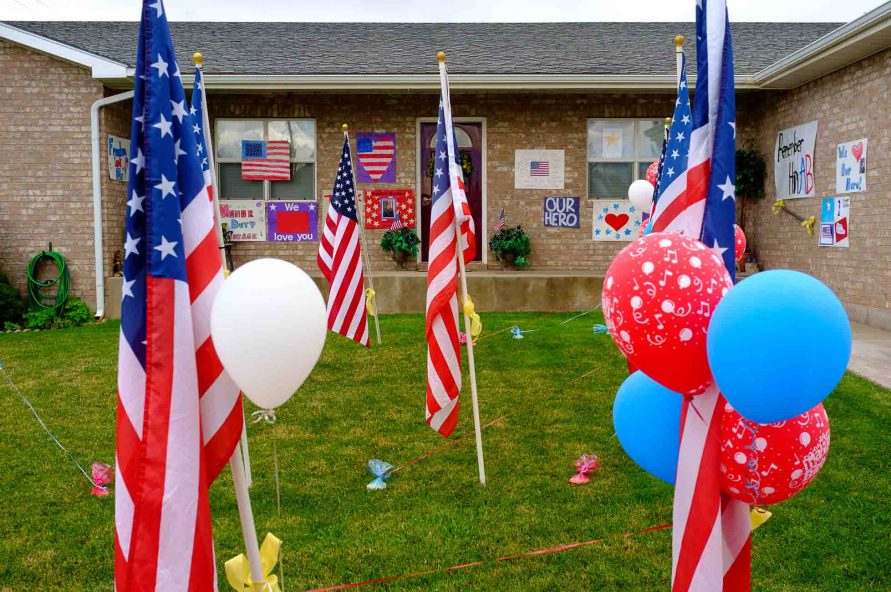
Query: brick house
[[557, 86]]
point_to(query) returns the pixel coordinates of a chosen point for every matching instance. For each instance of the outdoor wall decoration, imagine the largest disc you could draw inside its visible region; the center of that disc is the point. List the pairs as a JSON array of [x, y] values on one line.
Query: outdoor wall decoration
[[118, 158], [616, 220], [381, 206], [850, 167], [292, 221], [266, 161], [835, 218], [376, 153], [562, 212], [793, 160], [244, 218], [538, 169]]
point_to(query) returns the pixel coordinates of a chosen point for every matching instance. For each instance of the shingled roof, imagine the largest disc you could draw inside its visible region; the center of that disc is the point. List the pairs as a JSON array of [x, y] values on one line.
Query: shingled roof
[[409, 48]]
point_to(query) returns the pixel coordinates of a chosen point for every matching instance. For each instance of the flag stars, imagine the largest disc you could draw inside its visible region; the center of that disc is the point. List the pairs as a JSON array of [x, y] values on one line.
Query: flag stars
[[442, 155], [729, 190], [670, 172], [680, 137], [685, 119], [130, 245], [161, 66], [166, 187], [718, 249], [165, 126], [166, 247], [177, 152], [135, 203], [196, 128], [159, 7], [439, 172], [138, 161], [733, 125], [675, 154], [127, 288], [179, 109], [192, 110]]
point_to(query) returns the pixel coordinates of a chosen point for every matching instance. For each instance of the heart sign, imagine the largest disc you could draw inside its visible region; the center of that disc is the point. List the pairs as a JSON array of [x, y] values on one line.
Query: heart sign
[[616, 220], [857, 150], [377, 156]]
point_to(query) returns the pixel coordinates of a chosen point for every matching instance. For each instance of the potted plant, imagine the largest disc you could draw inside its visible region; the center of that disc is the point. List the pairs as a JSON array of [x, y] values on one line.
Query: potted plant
[[402, 245], [511, 247], [751, 171]]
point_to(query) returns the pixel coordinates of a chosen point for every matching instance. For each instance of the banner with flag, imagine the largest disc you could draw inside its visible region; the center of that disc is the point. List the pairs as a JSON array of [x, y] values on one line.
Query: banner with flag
[[179, 415], [266, 161]]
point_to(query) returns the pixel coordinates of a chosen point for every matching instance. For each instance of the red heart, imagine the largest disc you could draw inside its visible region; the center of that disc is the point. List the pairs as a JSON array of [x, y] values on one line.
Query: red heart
[[616, 222], [857, 150]]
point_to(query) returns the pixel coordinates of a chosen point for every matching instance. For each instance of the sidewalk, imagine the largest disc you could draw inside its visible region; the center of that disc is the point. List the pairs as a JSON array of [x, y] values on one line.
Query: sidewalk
[[871, 354]]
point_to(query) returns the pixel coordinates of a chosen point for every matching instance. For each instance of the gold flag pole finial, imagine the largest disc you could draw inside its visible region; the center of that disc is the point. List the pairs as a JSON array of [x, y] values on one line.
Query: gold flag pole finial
[[679, 40], [199, 59], [344, 127], [440, 55], [668, 121]]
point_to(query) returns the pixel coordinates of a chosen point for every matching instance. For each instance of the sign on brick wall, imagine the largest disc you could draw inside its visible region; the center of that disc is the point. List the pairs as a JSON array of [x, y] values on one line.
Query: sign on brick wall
[[835, 218], [118, 158], [244, 218], [793, 160], [615, 220], [562, 212], [292, 221], [376, 153], [850, 167], [538, 169], [381, 206]]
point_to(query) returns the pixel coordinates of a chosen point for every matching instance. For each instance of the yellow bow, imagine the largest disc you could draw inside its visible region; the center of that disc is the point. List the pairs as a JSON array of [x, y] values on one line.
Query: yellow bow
[[809, 225], [759, 516], [238, 569], [778, 205], [369, 300], [476, 325]]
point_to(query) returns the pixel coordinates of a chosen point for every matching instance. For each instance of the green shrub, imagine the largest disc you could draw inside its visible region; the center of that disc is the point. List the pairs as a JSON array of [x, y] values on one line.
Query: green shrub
[[511, 245], [402, 245], [12, 307], [74, 314]]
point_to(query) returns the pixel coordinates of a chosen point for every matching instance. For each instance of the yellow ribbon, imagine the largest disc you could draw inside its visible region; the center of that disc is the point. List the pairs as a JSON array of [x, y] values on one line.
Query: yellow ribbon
[[226, 273], [759, 516], [809, 225], [778, 205], [369, 300], [238, 569], [476, 324]]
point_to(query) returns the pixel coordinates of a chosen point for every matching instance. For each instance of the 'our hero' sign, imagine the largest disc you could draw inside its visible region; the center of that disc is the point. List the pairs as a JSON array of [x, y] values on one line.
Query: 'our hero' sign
[[562, 212], [793, 160]]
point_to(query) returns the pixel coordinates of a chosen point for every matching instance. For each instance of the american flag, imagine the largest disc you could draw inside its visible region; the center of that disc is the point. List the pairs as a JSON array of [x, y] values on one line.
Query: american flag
[[266, 161], [711, 538], [397, 222], [340, 256], [449, 212], [500, 223], [539, 168], [179, 415]]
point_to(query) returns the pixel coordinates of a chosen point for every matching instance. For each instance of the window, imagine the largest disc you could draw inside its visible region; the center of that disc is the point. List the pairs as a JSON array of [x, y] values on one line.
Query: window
[[301, 133], [619, 152]]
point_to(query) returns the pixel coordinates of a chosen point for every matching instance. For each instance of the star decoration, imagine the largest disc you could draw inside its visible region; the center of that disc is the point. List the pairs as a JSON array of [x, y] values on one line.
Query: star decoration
[[179, 109], [130, 246], [161, 67], [680, 136], [135, 203], [159, 7], [718, 249], [166, 247], [196, 129], [733, 125], [729, 190], [272, 207], [166, 187], [127, 288], [177, 151], [139, 161], [164, 126]]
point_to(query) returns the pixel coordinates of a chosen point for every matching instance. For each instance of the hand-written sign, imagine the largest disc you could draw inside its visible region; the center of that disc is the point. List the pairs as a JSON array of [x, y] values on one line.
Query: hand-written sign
[[245, 219], [615, 220], [292, 221], [850, 167], [794, 161], [118, 158], [562, 212], [835, 216]]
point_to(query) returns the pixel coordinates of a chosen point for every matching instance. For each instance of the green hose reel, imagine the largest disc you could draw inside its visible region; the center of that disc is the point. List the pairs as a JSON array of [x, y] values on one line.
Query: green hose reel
[[40, 291]]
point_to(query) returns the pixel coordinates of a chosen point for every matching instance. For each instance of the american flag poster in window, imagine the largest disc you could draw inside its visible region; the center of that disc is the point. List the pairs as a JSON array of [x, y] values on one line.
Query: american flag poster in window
[[266, 161], [538, 169]]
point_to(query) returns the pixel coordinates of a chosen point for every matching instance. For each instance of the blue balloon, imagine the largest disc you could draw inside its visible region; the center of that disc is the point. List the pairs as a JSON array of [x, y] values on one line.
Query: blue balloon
[[778, 344], [647, 418]]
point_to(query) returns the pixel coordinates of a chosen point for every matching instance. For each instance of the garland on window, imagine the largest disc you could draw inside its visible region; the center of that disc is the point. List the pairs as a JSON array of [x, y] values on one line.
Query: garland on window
[[466, 164]]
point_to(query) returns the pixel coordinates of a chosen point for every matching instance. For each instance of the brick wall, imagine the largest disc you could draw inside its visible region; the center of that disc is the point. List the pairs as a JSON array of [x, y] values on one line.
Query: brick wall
[[114, 119], [849, 104], [45, 183]]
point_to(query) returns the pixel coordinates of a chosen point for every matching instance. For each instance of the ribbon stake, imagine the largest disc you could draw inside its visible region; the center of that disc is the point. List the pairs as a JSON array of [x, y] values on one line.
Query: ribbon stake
[[238, 571]]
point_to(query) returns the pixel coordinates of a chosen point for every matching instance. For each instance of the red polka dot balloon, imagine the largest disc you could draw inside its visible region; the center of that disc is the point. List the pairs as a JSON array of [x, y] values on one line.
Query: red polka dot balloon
[[739, 241], [653, 173], [659, 294], [769, 463]]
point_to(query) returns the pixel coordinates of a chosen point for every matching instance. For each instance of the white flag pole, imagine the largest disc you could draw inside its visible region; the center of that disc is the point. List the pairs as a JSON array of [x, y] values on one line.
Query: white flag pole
[[248, 529], [218, 222], [679, 57], [451, 149], [361, 222]]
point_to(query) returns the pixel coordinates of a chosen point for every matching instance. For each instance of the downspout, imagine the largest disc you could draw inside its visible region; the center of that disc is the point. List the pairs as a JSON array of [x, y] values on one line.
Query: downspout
[[97, 194]]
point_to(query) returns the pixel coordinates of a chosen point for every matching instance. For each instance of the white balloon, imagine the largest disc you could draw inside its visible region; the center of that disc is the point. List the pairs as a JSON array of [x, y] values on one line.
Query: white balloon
[[640, 193], [268, 325]]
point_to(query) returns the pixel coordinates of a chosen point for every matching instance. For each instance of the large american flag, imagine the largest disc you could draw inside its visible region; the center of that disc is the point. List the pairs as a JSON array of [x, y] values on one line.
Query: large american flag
[[450, 217], [340, 256], [711, 538], [174, 400]]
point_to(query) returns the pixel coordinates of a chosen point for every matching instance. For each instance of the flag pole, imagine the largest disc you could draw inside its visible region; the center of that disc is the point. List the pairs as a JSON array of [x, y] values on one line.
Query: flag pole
[[218, 222], [361, 223], [679, 57], [471, 368], [248, 529]]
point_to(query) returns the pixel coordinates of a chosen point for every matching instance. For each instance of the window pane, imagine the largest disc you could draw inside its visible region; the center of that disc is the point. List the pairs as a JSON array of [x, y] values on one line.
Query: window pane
[[642, 169], [231, 133], [302, 135], [232, 186], [611, 139], [301, 185], [609, 180], [649, 138]]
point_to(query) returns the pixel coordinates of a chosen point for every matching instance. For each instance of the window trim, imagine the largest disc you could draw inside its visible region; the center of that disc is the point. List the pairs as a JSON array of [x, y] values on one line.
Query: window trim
[[635, 161], [267, 185]]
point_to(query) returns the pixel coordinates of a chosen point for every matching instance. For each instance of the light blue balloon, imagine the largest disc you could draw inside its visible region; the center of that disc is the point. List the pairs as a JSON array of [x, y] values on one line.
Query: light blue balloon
[[778, 344], [647, 418], [648, 230]]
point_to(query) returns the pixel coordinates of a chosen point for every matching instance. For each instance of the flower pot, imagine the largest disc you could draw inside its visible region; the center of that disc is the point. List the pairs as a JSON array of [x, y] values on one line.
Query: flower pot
[[507, 259], [400, 257]]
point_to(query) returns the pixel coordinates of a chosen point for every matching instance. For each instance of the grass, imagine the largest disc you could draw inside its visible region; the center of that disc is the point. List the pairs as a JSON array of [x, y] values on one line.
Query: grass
[[369, 404]]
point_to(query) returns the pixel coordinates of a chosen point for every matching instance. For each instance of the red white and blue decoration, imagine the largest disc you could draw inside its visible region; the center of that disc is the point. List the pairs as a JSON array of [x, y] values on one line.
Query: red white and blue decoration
[[376, 153], [292, 221], [266, 161], [383, 205]]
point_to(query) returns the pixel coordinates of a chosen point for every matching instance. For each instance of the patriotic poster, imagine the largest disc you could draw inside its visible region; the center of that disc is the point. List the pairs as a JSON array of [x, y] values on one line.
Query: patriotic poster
[[538, 169], [850, 167], [835, 218], [613, 138], [616, 220], [381, 206], [793, 160], [376, 153], [118, 158], [292, 221], [266, 161], [244, 218], [562, 212]]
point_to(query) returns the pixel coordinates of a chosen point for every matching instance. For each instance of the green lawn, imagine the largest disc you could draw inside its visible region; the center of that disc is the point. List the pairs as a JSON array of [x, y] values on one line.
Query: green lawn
[[362, 404]]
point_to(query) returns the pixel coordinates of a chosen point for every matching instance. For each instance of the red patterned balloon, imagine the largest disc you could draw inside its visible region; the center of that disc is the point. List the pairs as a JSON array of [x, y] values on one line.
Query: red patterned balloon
[[658, 297], [652, 173], [739, 239], [769, 463]]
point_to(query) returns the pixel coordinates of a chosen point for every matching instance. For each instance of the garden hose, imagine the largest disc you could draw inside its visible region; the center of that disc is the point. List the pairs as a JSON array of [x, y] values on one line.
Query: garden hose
[[62, 281]]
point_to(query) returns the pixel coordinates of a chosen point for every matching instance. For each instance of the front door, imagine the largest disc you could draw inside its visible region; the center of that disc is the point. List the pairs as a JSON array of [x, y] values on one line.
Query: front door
[[470, 147]]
